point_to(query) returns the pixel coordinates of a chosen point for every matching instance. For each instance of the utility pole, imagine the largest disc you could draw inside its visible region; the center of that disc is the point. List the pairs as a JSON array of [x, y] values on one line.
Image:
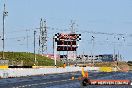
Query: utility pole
[[118, 55], [72, 27], [43, 37], [54, 50], [123, 46], [92, 49], [27, 39], [53, 44], [4, 15], [34, 47], [114, 54], [83, 58]]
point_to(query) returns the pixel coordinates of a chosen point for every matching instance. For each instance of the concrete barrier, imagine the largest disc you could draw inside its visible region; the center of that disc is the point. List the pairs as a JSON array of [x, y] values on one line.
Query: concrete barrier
[[105, 69], [3, 67], [20, 72]]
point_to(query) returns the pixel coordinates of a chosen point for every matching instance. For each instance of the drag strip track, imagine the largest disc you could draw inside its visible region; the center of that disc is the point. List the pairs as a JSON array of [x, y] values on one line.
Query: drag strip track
[[63, 80], [35, 81], [45, 83]]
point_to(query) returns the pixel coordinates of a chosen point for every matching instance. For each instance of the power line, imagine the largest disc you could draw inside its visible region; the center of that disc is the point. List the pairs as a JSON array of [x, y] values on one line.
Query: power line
[[104, 33]]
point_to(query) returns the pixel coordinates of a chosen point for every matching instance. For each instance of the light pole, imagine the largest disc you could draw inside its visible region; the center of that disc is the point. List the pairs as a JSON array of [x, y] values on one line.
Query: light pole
[[4, 15]]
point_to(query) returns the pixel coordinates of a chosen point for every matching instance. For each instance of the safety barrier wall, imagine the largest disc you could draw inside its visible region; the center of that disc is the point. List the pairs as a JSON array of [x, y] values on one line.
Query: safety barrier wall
[[3, 67], [19, 72], [105, 69]]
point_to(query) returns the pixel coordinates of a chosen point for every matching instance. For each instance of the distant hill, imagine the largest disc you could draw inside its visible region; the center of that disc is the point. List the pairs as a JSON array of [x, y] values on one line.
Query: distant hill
[[27, 59]]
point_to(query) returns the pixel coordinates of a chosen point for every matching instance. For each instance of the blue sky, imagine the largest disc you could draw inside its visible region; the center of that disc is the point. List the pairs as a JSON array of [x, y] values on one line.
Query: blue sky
[[108, 16]]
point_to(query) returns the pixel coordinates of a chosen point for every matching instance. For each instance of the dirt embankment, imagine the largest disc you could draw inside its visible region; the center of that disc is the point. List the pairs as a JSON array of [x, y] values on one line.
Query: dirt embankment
[[130, 68], [121, 66]]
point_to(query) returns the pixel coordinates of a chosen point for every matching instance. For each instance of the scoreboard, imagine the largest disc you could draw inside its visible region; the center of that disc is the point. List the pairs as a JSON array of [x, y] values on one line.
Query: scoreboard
[[67, 42], [62, 36], [62, 42], [66, 48]]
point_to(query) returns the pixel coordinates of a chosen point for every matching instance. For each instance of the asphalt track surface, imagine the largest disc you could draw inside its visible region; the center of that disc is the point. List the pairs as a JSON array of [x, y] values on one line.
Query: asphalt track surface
[[63, 80]]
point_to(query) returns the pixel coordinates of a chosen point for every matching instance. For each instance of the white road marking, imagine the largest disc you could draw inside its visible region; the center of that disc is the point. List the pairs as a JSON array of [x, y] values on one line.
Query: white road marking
[[43, 83]]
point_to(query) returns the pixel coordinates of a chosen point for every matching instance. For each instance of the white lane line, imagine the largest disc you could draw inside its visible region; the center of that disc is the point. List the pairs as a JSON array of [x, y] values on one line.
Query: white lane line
[[42, 83]]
